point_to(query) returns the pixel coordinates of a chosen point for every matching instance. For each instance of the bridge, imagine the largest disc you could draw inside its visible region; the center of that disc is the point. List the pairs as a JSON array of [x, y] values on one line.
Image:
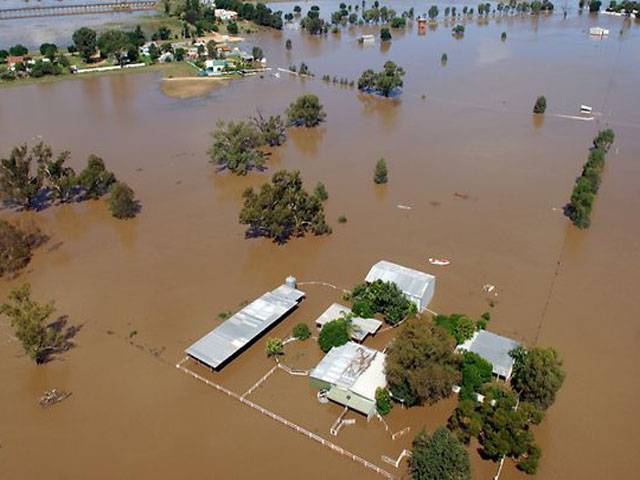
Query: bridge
[[124, 6]]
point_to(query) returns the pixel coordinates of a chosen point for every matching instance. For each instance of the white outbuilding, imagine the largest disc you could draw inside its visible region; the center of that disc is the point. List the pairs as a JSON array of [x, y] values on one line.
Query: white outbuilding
[[417, 286]]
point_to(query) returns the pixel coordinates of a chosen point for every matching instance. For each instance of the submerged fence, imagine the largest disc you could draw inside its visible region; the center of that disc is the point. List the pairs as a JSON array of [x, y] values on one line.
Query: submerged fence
[[286, 422]]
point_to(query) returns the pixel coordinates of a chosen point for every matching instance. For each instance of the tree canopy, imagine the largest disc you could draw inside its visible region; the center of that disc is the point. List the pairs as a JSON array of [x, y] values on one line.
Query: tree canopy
[[537, 375], [381, 297], [335, 333], [459, 326], [19, 180], [380, 173], [476, 372], [385, 82], [440, 456], [306, 111], [30, 321], [122, 201], [283, 208], [15, 248], [236, 147], [421, 365], [84, 39]]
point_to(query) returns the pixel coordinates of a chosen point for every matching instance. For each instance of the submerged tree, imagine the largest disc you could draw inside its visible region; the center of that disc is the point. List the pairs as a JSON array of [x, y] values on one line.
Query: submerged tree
[[95, 179], [321, 192], [301, 331], [15, 248], [384, 82], [31, 323], [122, 201], [19, 181], [275, 347], [541, 105], [440, 456], [306, 111], [421, 365], [273, 129], [283, 208], [380, 173], [235, 147], [61, 179]]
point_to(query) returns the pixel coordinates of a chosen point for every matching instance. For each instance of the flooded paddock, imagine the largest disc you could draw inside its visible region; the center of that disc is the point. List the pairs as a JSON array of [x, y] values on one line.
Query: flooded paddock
[[169, 272]]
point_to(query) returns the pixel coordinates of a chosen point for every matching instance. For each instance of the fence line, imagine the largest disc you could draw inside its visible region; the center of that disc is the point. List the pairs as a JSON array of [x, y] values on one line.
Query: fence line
[[286, 422], [260, 382], [293, 371], [396, 463]]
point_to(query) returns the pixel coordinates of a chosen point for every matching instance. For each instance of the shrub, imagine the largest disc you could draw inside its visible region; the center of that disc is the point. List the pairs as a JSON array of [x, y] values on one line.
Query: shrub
[[380, 173], [301, 331], [541, 105], [122, 201], [275, 347], [342, 219], [306, 111], [383, 401], [385, 34], [321, 192], [459, 326], [15, 249], [384, 298]]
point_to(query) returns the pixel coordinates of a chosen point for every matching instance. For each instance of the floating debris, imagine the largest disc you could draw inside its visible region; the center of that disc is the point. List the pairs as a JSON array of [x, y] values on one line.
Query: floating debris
[[441, 262], [404, 207], [51, 397], [488, 288], [464, 196]]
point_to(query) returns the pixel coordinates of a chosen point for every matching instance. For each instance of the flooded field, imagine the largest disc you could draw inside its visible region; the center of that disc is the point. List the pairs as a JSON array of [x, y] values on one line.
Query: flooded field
[[169, 272]]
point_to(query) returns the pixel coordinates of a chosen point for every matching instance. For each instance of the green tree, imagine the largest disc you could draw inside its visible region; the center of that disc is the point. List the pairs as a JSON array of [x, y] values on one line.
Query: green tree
[[122, 201], [384, 82], [15, 248], [444, 59], [236, 147], [232, 28], [383, 401], [398, 22], [111, 42], [459, 326], [335, 333], [60, 178], [537, 375], [321, 192], [288, 45], [433, 12], [541, 105], [381, 297], [273, 129], [95, 179], [421, 365], [257, 53], [301, 331], [306, 111], [282, 208], [594, 6], [440, 456], [385, 34], [49, 50], [458, 30], [30, 321], [380, 173], [18, 50], [503, 36], [476, 371], [18, 183], [84, 40], [275, 347]]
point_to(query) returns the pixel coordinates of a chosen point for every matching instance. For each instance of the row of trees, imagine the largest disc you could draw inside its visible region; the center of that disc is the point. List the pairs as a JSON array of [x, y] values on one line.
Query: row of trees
[[257, 13], [237, 145], [386, 82], [588, 183], [34, 178]]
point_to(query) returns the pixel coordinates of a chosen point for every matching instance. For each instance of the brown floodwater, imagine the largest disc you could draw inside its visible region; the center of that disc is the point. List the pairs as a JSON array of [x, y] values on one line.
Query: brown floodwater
[[169, 272]]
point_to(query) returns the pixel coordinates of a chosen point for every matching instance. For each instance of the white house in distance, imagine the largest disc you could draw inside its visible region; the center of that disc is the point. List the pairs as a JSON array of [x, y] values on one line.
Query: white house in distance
[[350, 375], [494, 349], [360, 327], [417, 286], [225, 15]]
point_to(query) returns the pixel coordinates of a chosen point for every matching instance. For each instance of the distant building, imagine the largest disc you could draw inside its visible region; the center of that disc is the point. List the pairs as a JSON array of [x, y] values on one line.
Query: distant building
[[598, 31], [494, 349], [227, 340], [350, 375], [360, 327], [214, 68], [417, 286], [422, 25], [367, 39], [225, 15], [13, 60]]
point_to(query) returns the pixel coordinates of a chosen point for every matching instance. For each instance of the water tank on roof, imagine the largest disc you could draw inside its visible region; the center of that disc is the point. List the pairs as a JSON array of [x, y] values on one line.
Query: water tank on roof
[[291, 282]]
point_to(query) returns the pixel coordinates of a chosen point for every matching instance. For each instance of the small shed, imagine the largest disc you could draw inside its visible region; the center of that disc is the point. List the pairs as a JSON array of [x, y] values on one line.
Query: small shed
[[351, 374], [361, 327], [417, 286], [494, 349]]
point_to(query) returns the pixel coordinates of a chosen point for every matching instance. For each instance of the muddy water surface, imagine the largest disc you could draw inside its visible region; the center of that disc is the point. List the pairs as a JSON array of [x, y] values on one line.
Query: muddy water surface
[[167, 273]]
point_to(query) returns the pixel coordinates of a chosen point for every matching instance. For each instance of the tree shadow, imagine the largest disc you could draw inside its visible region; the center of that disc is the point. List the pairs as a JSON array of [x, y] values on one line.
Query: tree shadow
[[64, 334]]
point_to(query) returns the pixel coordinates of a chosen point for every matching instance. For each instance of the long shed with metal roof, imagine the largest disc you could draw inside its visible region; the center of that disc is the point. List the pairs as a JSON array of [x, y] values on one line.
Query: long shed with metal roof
[[220, 345], [417, 286]]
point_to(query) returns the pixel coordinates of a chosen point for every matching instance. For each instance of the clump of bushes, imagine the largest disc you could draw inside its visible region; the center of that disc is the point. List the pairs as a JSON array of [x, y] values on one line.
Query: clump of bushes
[[383, 401], [588, 183], [380, 173], [460, 326], [476, 371], [301, 331], [541, 105], [122, 201], [15, 248]]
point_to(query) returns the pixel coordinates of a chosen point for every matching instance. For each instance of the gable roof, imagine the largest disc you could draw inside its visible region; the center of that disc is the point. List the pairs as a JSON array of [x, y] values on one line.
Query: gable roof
[[360, 327], [413, 283], [494, 349]]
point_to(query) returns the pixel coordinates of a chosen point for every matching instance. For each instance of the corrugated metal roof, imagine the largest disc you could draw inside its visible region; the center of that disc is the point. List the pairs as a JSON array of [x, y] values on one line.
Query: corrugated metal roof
[[413, 283], [224, 341], [361, 327], [345, 365], [494, 349]]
